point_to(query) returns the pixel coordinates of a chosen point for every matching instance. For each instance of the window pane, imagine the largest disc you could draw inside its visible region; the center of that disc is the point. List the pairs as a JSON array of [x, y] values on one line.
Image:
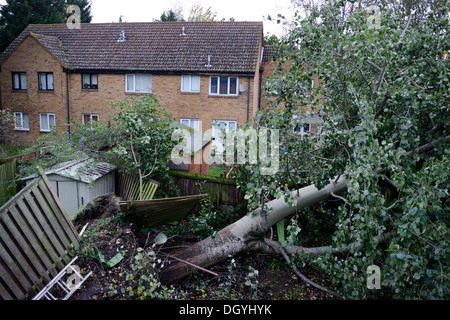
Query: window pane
[[86, 119], [50, 81], [184, 83], [194, 124], [42, 81], [51, 120], [214, 85], [25, 121], [195, 83], [223, 85], [233, 85], [18, 117], [94, 80], [23, 81], [232, 125], [94, 117], [44, 121], [143, 83], [130, 82], [185, 122], [16, 84], [86, 81]]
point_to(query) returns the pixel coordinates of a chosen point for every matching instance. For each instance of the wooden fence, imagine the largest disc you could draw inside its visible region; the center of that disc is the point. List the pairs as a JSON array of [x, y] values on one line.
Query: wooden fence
[[128, 187], [7, 174], [221, 190], [37, 240]]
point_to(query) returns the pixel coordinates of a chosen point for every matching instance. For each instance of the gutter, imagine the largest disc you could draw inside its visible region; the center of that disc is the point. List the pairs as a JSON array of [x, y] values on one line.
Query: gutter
[[248, 96], [68, 102]]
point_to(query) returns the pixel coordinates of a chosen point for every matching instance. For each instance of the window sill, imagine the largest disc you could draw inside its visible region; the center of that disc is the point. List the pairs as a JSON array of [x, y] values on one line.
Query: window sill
[[189, 92], [137, 93], [45, 131], [223, 96], [89, 90], [46, 91], [19, 90], [21, 129]]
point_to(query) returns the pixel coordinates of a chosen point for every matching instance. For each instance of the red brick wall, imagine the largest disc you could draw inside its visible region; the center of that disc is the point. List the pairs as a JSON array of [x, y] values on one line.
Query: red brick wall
[[31, 57]]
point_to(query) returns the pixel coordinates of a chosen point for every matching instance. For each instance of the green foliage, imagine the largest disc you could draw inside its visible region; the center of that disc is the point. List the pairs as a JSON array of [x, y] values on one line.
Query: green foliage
[[145, 137], [384, 91]]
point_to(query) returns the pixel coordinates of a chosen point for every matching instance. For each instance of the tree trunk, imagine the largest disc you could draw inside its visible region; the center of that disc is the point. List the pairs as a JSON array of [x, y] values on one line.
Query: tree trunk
[[246, 233]]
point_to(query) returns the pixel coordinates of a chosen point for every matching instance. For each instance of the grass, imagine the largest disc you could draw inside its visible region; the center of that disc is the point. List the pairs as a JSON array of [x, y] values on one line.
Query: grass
[[217, 172]]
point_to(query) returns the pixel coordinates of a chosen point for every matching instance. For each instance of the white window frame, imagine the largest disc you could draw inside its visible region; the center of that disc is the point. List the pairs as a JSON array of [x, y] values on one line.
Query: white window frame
[[190, 122], [302, 131], [190, 83], [218, 146], [21, 128], [134, 82], [91, 115], [228, 86], [48, 121]]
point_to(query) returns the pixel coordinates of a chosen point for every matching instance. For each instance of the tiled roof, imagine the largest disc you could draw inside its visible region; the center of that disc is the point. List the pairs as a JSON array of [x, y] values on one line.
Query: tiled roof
[[152, 46]]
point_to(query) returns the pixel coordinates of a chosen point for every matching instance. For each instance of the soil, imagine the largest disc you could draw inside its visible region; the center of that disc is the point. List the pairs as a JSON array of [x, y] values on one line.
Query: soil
[[275, 281]]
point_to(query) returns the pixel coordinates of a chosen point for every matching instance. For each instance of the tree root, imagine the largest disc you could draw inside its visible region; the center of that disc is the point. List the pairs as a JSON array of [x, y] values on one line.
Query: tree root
[[275, 245]]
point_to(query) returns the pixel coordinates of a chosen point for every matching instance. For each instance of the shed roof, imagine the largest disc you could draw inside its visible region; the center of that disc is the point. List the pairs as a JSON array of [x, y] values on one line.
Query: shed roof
[[84, 170], [151, 46]]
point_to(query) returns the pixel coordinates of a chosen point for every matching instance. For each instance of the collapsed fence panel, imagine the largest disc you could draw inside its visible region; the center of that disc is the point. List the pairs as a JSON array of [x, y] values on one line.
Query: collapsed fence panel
[[37, 240]]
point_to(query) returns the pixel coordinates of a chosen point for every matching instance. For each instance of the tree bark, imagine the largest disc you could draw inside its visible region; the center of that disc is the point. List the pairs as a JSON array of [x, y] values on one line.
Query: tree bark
[[246, 233]]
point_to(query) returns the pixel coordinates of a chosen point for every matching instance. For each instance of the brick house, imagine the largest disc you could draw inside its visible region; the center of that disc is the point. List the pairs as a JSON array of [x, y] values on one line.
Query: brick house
[[201, 71]]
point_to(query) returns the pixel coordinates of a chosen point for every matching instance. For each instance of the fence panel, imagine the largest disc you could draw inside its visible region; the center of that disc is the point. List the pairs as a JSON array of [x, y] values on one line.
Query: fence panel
[[37, 240]]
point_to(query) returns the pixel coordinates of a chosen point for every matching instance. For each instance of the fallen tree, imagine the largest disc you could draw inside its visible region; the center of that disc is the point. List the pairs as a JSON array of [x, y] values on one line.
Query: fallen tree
[[248, 233]]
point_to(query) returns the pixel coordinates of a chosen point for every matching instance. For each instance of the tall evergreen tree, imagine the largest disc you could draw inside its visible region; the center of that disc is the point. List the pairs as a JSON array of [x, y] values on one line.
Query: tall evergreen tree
[[16, 15]]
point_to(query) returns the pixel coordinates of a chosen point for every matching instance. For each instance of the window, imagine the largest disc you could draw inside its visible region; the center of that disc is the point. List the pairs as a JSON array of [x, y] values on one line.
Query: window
[[223, 86], [88, 118], [192, 123], [190, 83], [45, 81], [47, 121], [302, 129], [22, 121], [138, 83], [90, 80], [217, 127], [19, 81]]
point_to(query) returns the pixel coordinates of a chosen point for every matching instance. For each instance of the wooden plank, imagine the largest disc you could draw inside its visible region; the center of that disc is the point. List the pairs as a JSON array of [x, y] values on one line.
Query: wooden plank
[[8, 277], [41, 238], [52, 218], [47, 232], [66, 224], [4, 293], [42, 258], [17, 253]]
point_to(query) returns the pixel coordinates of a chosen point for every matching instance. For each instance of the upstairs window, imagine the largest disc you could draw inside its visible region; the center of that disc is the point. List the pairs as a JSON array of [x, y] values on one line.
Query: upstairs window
[[90, 80], [139, 83], [21, 121], [19, 81], [223, 86], [45, 81], [190, 83], [47, 121]]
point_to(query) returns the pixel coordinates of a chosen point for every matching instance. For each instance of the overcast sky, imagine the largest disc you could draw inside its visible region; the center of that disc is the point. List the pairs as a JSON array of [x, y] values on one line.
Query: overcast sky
[[147, 10]]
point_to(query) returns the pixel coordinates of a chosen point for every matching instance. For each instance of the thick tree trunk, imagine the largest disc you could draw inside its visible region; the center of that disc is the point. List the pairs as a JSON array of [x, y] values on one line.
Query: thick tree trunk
[[246, 233]]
